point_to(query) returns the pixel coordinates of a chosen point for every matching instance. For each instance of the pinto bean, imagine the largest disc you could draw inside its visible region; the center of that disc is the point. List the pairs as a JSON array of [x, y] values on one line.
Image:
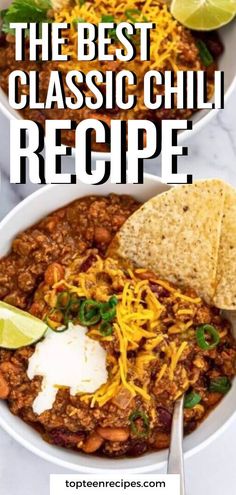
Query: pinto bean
[[145, 275], [8, 367], [212, 398], [92, 443], [162, 440], [54, 273], [10, 38], [114, 434], [4, 388], [51, 225], [102, 235]]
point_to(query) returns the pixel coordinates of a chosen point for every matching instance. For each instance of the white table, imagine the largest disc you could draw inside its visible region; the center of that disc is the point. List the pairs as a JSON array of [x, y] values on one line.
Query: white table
[[212, 153]]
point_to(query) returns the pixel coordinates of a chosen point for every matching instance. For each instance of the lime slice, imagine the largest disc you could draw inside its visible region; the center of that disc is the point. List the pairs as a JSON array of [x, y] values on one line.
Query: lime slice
[[203, 15], [18, 328]]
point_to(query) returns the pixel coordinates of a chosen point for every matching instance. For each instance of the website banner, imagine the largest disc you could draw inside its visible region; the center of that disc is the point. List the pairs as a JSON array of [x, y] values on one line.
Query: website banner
[[117, 484]]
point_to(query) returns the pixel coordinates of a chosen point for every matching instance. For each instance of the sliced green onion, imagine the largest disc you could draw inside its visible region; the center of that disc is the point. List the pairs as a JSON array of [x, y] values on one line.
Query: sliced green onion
[[107, 315], [76, 21], [89, 313], [61, 329], [108, 309], [107, 18], [130, 14], [220, 384], [112, 31], [68, 304], [75, 303], [49, 321], [145, 423], [113, 301], [202, 332], [205, 55], [63, 300], [106, 329], [191, 400]]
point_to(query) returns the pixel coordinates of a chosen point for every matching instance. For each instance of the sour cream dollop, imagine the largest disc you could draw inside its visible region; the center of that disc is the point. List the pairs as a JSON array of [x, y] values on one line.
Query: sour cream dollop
[[68, 359]]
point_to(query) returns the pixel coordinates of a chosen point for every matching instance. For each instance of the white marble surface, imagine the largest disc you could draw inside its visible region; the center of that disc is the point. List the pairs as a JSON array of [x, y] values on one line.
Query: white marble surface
[[212, 153]]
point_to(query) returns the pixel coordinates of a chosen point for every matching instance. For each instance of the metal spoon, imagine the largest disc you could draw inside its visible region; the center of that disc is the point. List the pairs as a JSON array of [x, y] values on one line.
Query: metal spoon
[[175, 458]]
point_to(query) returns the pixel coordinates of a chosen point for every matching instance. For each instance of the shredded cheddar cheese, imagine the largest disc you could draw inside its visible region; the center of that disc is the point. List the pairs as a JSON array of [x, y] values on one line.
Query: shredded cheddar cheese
[[162, 372], [176, 355], [141, 325], [167, 39]]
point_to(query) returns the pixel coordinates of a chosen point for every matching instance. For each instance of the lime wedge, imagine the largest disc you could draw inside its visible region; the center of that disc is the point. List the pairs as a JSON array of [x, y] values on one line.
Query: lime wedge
[[203, 15], [18, 328]]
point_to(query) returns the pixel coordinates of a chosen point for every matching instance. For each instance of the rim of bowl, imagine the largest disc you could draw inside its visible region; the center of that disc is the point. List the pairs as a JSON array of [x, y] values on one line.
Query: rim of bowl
[[81, 468], [89, 470]]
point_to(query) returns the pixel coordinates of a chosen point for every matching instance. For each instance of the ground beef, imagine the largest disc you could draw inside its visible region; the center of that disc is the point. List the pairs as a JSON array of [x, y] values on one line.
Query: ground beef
[[90, 222]]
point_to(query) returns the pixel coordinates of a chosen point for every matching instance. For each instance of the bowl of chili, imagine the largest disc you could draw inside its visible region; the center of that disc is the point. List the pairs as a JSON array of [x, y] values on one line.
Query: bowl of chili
[[210, 52], [31, 211]]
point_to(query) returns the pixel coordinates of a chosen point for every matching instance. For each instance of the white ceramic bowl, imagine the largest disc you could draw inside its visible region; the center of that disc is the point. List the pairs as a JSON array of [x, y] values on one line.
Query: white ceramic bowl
[[24, 215], [227, 63]]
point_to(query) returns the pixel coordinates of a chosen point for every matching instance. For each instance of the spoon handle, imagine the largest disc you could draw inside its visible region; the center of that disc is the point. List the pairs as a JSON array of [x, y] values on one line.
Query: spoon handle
[[175, 458]]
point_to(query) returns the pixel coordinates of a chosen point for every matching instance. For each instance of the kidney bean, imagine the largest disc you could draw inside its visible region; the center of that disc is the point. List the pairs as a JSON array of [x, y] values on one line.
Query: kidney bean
[[215, 46], [66, 438], [138, 448], [158, 290], [2, 39], [165, 417], [212, 41], [190, 426], [87, 263]]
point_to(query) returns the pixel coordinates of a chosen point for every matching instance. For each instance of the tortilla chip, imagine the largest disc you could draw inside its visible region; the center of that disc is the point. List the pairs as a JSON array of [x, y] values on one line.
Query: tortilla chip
[[177, 235], [225, 296]]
